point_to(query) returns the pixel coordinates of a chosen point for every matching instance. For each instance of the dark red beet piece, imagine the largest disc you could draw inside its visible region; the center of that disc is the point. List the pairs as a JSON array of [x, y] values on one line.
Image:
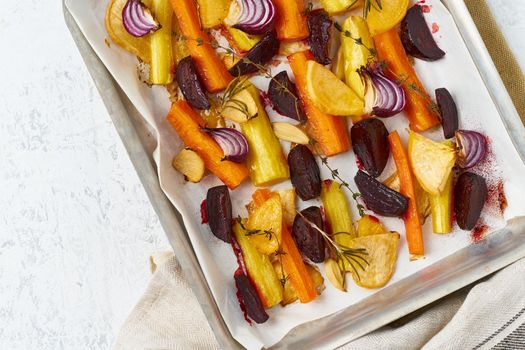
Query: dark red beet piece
[[190, 84], [449, 112], [219, 212], [470, 194], [417, 38], [260, 54], [319, 25], [283, 95], [309, 241], [250, 298], [304, 173], [370, 143], [379, 198]]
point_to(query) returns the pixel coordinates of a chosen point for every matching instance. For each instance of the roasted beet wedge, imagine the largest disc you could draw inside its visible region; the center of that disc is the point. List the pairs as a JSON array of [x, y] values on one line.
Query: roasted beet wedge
[[449, 112], [470, 194], [379, 198], [250, 298], [319, 25], [283, 94], [370, 144], [417, 38], [190, 84], [304, 173], [309, 240], [259, 55], [219, 211]]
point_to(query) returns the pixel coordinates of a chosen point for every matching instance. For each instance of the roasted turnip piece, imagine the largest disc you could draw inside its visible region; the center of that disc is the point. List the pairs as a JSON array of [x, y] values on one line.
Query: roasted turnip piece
[[283, 94], [379, 198], [304, 173], [309, 240], [319, 25], [250, 298], [219, 211], [190, 85], [370, 143], [449, 112], [417, 38], [259, 55], [470, 194]]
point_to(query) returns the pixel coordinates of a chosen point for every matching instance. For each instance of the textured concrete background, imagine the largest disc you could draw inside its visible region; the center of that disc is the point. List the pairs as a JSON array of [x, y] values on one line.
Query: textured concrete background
[[76, 228]]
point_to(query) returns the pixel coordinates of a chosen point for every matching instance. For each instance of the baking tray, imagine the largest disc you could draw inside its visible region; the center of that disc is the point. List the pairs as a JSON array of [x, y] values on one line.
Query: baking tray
[[464, 267]]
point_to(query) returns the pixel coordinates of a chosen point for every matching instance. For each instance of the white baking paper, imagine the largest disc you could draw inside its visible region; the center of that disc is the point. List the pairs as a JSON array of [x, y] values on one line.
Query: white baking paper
[[456, 72]]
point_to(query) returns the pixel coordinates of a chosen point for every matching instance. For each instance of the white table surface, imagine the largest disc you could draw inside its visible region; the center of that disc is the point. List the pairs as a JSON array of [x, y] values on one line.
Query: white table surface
[[76, 228]]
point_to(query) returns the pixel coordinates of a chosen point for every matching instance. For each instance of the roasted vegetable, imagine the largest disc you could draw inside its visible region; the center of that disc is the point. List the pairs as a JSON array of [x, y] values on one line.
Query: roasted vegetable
[[265, 225], [161, 53], [250, 299], [338, 65], [212, 12], [266, 160], [283, 95], [319, 26], [379, 198], [369, 225], [356, 55], [422, 198], [258, 56], [334, 7], [386, 16], [239, 104], [252, 17], [212, 70], [419, 108], [219, 212], [189, 164], [337, 213], [190, 85], [330, 94], [470, 194], [431, 162], [288, 202], [441, 207], [417, 38], [381, 258], [414, 231], [290, 20], [449, 112], [370, 143], [290, 294], [309, 241], [472, 148], [138, 20], [304, 173], [260, 269], [233, 143], [329, 132], [335, 274], [291, 133], [243, 41], [188, 126]]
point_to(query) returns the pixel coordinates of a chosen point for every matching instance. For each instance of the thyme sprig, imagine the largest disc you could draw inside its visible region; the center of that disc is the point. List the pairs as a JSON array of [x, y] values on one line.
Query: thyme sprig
[[270, 235], [357, 41], [228, 99], [368, 6], [343, 253]]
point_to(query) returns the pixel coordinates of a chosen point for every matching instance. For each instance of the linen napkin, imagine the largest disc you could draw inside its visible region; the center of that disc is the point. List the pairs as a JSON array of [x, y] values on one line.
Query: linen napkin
[[488, 315]]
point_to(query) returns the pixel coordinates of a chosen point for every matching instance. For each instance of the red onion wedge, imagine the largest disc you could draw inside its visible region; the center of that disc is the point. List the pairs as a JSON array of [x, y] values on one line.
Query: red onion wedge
[[137, 19], [383, 96], [251, 16], [472, 148], [232, 142]]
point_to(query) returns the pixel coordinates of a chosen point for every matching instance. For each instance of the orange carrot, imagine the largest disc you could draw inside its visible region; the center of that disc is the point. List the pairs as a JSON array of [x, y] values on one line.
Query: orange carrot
[[295, 268], [187, 123], [419, 106], [260, 196], [290, 20], [329, 131], [211, 69], [414, 232]]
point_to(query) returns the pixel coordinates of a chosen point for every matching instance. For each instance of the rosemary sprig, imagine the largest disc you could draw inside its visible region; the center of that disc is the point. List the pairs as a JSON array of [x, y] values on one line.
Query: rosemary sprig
[[270, 235], [344, 254], [228, 100]]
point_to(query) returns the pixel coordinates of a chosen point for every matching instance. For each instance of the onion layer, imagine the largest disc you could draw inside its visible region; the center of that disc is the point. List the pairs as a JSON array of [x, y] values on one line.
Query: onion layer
[[251, 16], [472, 148], [383, 96], [232, 142], [137, 19]]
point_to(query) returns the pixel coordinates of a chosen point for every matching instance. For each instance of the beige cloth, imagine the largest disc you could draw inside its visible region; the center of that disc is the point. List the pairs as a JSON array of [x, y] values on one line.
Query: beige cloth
[[489, 315]]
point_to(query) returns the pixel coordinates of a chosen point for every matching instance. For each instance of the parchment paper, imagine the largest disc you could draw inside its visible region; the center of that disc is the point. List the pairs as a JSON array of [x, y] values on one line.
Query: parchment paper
[[456, 72]]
